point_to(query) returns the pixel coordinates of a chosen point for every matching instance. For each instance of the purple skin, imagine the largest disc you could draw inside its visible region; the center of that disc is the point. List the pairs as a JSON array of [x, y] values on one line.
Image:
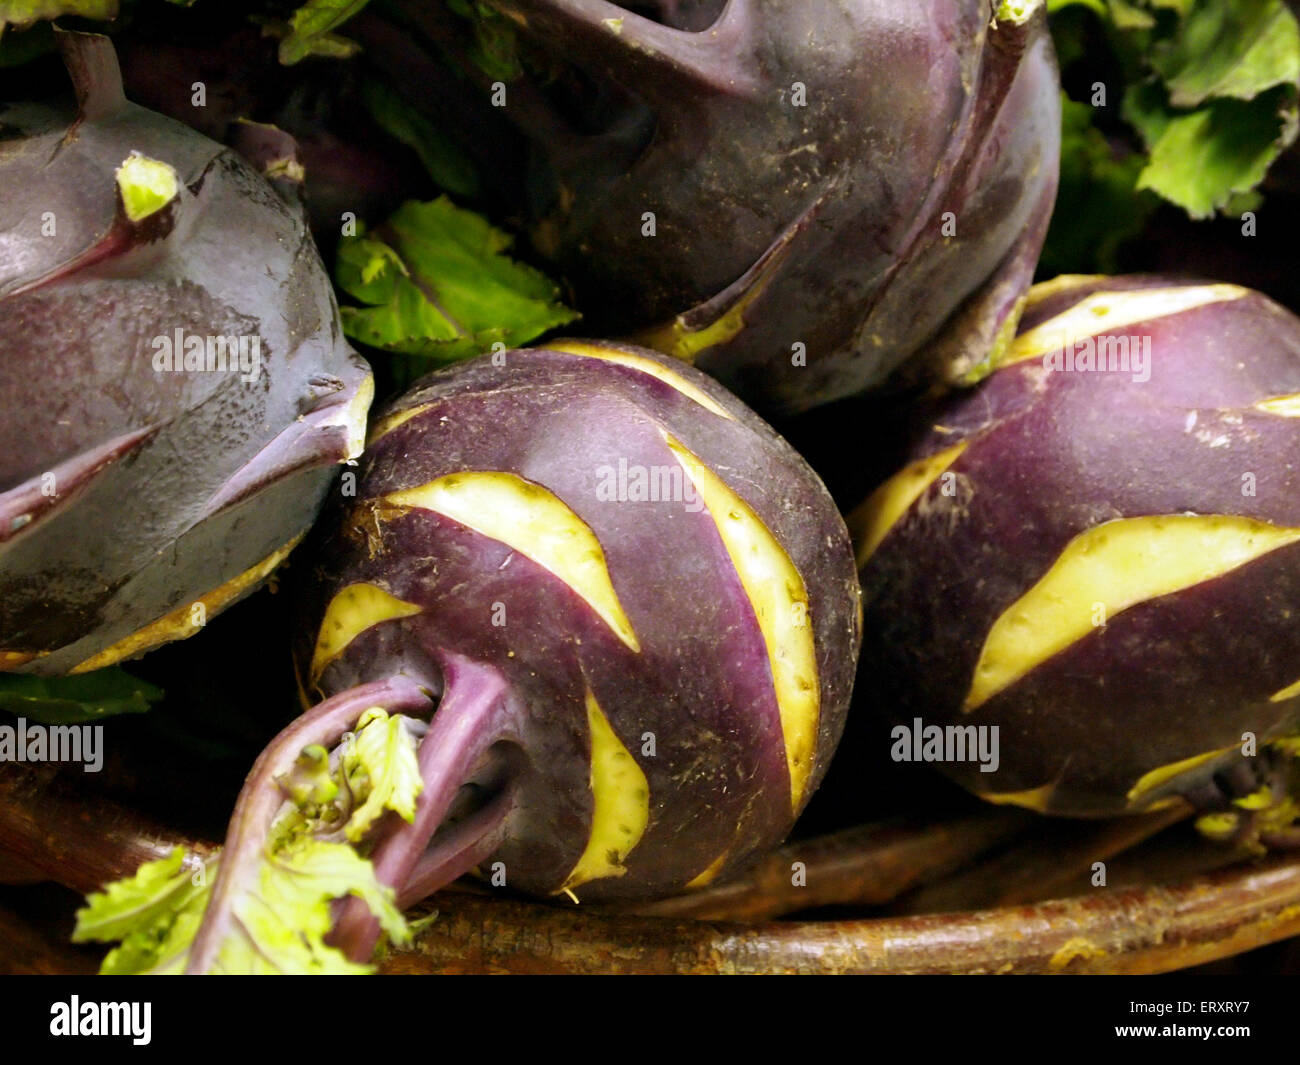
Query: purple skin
[[169, 485], [510, 699], [1051, 455], [820, 224]]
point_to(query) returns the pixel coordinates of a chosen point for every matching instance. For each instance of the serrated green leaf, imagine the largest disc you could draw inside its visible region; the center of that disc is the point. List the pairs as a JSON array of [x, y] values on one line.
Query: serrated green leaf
[[368, 270], [1201, 159], [156, 890], [76, 699], [385, 752], [161, 948], [1211, 87], [1229, 48], [435, 283], [281, 926]]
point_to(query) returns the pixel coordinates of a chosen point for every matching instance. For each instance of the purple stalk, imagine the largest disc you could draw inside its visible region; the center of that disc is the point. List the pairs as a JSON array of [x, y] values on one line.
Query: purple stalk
[[96, 78], [471, 717], [260, 800], [458, 850]]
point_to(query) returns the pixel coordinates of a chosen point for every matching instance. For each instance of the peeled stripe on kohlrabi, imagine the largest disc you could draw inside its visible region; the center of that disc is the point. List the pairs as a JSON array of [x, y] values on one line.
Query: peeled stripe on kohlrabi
[[626, 608], [175, 389], [797, 197]]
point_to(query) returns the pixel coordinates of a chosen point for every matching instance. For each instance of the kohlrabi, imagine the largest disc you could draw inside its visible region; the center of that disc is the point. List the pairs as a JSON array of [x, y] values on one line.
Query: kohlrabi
[[797, 197], [586, 624], [175, 390]]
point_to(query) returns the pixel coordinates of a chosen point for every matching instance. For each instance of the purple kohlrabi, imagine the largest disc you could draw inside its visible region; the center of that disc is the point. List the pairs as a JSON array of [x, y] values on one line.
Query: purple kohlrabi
[[626, 608], [175, 389], [797, 197]]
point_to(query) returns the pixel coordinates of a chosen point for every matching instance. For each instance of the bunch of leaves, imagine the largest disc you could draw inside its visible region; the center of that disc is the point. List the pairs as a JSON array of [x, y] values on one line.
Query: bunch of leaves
[[1206, 100], [434, 282], [316, 853], [1099, 206], [311, 31]]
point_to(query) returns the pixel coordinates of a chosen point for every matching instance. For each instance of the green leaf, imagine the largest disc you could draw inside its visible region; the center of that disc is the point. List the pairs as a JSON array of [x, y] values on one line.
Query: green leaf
[[1229, 48], [137, 900], [163, 949], [1201, 159], [1210, 86], [283, 911], [436, 283], [1098, 207], [25, 12], [310, 30], [76, 699], [1099, 6], [384, 752], [1130, 16], [156, 913], [496, 44], [310, 782], [446, 164], [281, 926]]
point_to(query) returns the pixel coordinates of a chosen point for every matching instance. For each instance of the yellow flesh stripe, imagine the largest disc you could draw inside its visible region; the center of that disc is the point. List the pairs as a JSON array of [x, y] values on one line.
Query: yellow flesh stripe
[[681, 342], [355, 416], [644, 365], [14, 659], [710, 874], [354, 609], [1157, 778], [1104, 312], [776, 592], [527, 518], [871, 521], [178, 625], [590, 351], [620, 797], [1061, 283], [1035, 799], [1285, 406], [388, 424], [1289, 692], [1118, 564]]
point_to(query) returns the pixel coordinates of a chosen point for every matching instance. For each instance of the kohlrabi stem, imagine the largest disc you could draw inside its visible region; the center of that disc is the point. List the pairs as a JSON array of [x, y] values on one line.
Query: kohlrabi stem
[[96, 77], [458, 849], [651, 59], [472, 715], [261, 798]]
